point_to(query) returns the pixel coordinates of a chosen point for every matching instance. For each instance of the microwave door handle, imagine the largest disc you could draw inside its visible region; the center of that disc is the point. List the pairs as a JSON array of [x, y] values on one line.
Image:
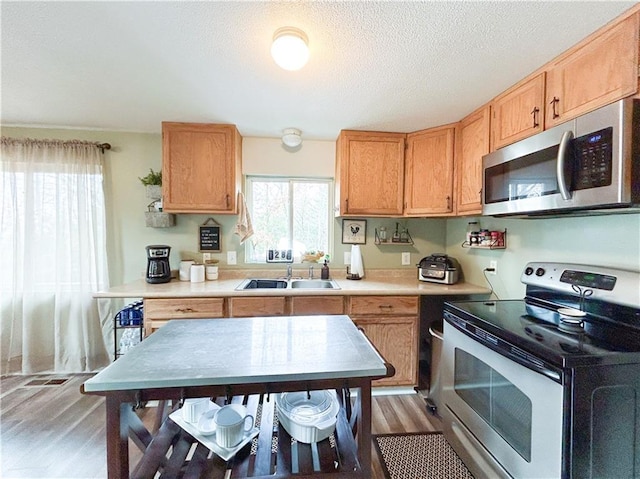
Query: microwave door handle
[[567, 136]]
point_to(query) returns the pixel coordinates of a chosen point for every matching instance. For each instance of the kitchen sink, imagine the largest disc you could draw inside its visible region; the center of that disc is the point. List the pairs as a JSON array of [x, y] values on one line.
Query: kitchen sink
[[314, 284], [284, 284], [263, 284]]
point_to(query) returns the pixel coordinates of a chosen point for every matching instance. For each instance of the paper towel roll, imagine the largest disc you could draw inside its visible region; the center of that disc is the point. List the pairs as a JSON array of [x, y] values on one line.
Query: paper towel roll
[[356, 261]]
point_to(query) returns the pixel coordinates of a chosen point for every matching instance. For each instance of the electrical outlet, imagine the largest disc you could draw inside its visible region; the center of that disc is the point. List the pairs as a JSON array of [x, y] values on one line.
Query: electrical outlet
[[493, 264], [231, 257], [347, 257], [406, 258], [206, 257]]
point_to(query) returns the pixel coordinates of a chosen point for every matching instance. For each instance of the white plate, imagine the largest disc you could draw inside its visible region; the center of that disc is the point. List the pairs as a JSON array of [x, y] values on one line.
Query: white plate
[[571, 313], [210, 440]]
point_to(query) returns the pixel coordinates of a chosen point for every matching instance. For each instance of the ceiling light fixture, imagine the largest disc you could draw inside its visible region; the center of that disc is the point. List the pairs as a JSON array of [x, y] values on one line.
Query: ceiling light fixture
[[290, 48], [291, 137]]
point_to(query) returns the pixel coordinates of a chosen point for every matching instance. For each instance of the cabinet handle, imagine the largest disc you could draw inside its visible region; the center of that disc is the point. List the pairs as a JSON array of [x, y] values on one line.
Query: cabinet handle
[[228, 200], [184, 310], [535, 112], [553, 103], [385, 306], [448, 202], [346, 205]]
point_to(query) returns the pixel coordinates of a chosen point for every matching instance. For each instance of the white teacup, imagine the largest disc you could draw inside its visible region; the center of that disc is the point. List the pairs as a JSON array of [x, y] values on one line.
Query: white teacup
[[231, 424]]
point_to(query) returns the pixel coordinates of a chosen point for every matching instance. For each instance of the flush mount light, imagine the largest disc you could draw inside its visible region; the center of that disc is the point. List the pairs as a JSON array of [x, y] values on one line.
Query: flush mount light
[[289, 48], [291, 137]]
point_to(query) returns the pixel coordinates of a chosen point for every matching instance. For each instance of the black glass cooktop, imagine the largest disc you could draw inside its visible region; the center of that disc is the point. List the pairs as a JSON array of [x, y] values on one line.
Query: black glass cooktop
[[561, 340]]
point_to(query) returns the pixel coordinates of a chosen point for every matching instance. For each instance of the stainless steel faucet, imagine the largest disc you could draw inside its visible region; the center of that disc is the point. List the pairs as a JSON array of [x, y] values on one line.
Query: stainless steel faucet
[[311, 272], [289, 272]]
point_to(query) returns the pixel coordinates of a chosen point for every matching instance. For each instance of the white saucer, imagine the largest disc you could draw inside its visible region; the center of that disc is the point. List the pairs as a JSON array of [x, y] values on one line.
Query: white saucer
[[210, 440], [571, 313]]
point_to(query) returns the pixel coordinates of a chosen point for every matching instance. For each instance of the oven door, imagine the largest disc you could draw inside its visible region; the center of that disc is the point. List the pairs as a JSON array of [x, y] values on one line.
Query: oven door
[[502, 418]]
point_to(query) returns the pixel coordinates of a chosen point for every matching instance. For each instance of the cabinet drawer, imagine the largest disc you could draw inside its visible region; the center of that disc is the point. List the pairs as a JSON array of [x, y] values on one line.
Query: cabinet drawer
[[383, 305], [260, 306], [183, 308], [301, 305]]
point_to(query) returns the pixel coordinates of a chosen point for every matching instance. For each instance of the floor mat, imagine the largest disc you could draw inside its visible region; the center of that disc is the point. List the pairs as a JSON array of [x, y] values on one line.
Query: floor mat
[[419, 456]]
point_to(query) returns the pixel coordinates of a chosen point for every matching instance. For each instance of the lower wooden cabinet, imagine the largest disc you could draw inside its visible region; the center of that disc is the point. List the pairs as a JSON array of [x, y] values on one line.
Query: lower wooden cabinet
[[396, 338], [303, 305], [257, 306], [392, 324], [158, 311]]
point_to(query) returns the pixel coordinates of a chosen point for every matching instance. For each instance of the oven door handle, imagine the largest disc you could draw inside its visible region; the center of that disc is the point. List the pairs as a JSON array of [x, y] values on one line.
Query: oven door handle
[[562, 164]]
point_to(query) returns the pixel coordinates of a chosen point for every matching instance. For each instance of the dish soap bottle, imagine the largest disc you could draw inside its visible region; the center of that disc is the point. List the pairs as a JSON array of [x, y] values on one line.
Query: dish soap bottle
[[324, 273]]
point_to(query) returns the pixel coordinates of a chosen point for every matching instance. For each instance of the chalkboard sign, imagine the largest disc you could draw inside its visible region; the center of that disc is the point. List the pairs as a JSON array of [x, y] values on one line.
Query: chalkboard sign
[[209, 237]]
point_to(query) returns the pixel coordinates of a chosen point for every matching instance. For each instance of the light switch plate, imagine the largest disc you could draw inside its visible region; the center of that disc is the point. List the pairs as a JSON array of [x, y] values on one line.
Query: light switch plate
[[347, 257], [231, 257], [406, 258]]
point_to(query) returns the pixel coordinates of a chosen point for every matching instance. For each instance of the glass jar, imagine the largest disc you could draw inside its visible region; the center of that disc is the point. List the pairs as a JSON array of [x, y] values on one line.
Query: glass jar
[[383, 234]]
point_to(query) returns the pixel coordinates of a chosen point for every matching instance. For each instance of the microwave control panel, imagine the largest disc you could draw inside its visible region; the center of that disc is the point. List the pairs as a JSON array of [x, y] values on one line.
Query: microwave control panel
[[594, 159]]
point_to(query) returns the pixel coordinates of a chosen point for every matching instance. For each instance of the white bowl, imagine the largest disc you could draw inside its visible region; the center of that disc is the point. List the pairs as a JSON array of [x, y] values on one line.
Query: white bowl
[[308, 419]]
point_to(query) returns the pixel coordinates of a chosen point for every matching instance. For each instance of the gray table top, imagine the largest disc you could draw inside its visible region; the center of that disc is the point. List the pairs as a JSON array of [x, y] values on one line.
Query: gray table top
[[206, 352]]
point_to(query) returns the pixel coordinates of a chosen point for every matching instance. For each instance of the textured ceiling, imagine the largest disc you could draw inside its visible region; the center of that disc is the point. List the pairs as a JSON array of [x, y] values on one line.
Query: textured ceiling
[[388, 66]]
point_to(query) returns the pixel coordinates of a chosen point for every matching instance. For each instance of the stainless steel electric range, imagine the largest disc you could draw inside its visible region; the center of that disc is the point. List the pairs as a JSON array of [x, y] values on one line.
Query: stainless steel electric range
[[547, 386]]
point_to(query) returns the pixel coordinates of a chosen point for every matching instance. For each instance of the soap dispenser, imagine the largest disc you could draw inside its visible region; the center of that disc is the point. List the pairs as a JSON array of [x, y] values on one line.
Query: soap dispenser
[[324, 273]]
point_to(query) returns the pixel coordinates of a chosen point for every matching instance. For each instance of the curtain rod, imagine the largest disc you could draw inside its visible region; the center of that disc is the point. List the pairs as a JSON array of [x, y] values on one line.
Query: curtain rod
[[31, 141]]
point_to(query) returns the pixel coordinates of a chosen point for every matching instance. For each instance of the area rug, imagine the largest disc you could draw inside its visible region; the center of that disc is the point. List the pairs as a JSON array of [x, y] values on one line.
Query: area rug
[[419, 456]]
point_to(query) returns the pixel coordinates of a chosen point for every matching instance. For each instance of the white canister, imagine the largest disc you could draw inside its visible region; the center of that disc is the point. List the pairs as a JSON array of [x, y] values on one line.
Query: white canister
[[197, 273], [185, 270], [211, 272]]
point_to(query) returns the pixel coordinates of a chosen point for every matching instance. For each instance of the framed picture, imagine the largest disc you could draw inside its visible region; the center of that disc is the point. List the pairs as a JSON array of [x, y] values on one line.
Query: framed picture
[[354, 231]]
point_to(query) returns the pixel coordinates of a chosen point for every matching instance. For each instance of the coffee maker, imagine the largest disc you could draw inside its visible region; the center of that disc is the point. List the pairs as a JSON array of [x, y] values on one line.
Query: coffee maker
[[158, 269]]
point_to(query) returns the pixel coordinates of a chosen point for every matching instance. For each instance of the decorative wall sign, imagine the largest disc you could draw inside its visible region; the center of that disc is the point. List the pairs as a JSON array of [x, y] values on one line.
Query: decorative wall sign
[[354, 231], [209, 237]]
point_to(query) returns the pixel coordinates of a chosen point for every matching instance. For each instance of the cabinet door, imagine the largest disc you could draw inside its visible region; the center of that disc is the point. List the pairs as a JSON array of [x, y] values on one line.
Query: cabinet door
[[201, 167], [472, 143], [369, 173], [518, 112], [594, 74], [157, 311], [303, 305], [396, 338], [257, 306], [429, 172]]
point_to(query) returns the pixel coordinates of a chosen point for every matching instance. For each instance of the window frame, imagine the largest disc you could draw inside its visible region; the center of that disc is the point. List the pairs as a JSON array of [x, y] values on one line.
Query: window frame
[[248, 189]]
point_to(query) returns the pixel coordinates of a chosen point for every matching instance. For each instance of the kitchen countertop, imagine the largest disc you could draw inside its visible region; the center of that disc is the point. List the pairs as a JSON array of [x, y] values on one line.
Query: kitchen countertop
[[376, 282]]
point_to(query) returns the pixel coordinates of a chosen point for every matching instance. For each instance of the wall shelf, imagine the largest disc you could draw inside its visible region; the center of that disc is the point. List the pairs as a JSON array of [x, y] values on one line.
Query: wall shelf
[[500, 243], [389, 241]]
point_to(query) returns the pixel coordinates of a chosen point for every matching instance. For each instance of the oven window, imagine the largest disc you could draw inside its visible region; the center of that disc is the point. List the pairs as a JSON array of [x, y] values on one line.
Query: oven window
[[499, 402]]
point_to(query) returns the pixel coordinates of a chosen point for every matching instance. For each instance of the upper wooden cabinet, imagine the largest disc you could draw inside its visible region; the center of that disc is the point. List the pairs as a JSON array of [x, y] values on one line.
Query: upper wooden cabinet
[[472, 143], [518, 112], [598, 71], [201, 167], [369, 173], [429, 172]]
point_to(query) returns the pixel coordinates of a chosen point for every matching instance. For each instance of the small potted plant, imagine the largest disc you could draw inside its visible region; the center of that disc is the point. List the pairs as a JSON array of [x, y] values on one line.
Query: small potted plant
[[153, 183], [155, 218]]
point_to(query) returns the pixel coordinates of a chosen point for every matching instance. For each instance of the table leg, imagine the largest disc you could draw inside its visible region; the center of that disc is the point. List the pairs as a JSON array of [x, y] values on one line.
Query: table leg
[[364, 429], [117, 439]]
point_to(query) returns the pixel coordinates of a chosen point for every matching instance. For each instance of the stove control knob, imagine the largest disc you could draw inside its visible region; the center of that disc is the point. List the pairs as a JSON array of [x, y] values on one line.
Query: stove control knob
[[540, 272], [528, 271]]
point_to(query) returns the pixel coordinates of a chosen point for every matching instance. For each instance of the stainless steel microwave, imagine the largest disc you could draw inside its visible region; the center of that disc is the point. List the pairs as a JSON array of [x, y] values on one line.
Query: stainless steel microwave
[[589, 164]]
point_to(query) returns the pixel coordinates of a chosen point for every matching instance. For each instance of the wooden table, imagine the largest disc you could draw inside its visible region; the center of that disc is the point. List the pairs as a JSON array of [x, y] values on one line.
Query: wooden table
[[239, 356]]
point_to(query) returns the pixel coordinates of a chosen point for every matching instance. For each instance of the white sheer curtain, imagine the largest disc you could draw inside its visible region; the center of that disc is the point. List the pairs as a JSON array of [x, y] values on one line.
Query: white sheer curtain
[[52, 256]]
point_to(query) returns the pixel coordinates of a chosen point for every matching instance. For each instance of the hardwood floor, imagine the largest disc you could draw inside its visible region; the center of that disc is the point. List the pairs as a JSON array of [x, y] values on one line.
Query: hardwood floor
[[53, 431]]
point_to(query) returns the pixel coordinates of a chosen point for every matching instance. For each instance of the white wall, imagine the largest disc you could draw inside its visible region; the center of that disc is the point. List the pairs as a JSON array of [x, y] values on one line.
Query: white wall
[[604, 240]]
